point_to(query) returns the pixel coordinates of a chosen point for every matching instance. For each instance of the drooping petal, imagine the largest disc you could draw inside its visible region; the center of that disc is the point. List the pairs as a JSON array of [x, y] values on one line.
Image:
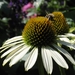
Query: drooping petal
[[61, 36], [10, 56], [47, 60], [16, 51], [64, 52], [70, 35], [66, 44], [13, 39], [66, 35], [65, 39], [7, 59], [4, 47], [58, 58], [11, 49], [17, 57], [31, 59]]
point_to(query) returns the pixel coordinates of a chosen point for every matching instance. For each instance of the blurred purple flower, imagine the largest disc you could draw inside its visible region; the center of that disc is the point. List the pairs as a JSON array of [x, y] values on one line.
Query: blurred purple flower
[[10, 4], [21, 1], [27, 6], [19, 9]]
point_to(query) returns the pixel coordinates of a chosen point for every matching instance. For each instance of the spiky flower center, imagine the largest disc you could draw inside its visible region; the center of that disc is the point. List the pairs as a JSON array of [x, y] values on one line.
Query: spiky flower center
[[39, 31], [60, 23]]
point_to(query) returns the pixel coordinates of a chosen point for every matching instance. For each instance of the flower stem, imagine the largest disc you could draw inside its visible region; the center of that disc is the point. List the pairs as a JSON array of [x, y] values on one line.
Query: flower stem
[[62, 71], [40, 63]]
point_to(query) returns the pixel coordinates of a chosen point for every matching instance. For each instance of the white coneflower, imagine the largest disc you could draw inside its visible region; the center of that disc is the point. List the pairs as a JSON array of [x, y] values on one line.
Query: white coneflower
[[38, 36]]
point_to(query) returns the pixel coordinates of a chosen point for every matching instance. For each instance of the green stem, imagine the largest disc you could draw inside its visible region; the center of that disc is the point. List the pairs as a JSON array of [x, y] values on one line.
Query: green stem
[[62, 71], [40, 63]]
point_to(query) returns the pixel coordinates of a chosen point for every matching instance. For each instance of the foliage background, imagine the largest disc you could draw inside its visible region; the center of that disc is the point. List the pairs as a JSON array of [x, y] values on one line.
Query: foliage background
[[13, 18]]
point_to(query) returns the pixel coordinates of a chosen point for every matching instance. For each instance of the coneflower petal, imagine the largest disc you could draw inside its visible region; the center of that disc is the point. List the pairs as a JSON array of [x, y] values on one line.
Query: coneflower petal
[[4, 47], [16, 58], [58, 58], [31, 59], [64, 52], [16, 38], [70, 35], [66, 35], [47, 60], [16, 51], [11, 49], [66, 44], [65, 39]]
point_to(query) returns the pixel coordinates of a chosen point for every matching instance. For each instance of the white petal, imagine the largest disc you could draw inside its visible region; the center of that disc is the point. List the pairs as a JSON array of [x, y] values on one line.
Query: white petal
[[58, 58], [13, 39], [66, 35], [16, 51], [64, 52], [47, 60], [11, 49], [31, 59], [7, 59], [16, 58], [65, 39], [25, 57], [70, 35], [4, 47], [73, 41], [67, 44], [13, 43], [61, 36]]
